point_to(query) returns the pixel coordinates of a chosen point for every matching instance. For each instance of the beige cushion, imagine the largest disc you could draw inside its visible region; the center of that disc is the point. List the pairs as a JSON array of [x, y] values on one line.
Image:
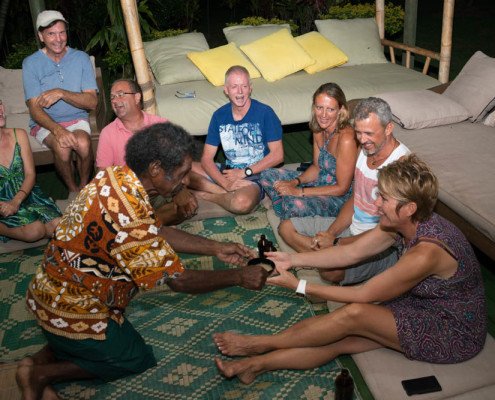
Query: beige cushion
[[277, 55], [384, 369], [168, 61], [416, 109], [358, 38], [215, 62], [326, 54], [474, 87], [490, 119], [244, 34], [12, 92]]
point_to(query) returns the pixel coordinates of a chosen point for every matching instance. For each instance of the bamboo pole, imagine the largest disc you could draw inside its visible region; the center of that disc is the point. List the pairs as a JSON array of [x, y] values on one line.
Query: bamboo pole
[[446, 44], [129, 9], [380, 17]]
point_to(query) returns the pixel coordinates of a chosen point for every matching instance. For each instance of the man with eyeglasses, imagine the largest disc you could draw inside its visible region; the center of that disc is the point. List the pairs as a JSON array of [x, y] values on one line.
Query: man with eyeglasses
[[59, 87], [126, 98]]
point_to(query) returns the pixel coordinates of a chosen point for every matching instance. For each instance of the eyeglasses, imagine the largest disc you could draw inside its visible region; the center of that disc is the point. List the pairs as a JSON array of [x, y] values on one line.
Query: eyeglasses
[[186, 95], [119, 95]]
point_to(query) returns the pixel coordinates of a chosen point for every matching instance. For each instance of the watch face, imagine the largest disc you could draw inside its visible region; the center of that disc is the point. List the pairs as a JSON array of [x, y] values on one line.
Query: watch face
[[248, 171]]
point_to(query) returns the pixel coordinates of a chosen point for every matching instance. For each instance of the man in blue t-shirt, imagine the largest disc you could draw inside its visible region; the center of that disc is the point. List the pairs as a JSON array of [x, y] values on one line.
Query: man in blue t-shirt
[[59, 86], [251, 137]]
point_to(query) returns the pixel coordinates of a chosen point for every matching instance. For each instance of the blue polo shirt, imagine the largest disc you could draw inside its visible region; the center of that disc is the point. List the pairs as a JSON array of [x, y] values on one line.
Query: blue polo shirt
[[73, 73]]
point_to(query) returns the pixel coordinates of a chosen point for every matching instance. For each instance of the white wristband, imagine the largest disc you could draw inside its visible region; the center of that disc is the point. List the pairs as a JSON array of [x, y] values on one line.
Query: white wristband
[[301, 288]]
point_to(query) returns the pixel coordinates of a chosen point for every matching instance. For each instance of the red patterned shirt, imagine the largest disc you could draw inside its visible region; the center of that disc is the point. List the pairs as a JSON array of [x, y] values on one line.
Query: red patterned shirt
[[105, 249]]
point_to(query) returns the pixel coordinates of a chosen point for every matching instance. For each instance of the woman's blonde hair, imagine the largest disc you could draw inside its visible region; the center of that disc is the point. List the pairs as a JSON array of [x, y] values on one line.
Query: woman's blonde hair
[[410, 180], [331, 90]]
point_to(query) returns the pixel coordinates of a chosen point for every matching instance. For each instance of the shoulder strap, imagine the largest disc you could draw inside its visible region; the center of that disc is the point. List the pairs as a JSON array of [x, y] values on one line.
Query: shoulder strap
[[15, 134], [438, 243]]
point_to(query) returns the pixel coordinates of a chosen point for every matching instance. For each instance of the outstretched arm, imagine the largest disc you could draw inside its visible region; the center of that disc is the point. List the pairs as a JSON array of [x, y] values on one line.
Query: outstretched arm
[[423, 260], [197, 281], [183, 242]]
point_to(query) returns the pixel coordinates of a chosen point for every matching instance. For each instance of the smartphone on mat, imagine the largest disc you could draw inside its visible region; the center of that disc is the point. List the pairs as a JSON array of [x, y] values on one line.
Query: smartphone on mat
[[427, 384]]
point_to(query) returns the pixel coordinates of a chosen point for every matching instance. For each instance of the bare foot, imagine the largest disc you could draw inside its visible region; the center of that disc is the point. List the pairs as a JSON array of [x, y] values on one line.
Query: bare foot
[[243, 369], [30, 389], [237, 345], [49, 393]]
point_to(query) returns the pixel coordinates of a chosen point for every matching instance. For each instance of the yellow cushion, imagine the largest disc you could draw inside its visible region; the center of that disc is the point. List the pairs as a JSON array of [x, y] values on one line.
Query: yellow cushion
[[277, 55], [326, 54], [214, 63]]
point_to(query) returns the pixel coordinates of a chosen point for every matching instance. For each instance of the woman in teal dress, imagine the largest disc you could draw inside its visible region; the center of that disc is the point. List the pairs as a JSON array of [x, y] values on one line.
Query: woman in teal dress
[[326, 185], [26, 213]]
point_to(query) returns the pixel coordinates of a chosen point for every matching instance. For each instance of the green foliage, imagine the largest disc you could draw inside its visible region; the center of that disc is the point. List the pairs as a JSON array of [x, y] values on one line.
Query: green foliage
[[19, 52], [156, 34], [256, 21], [113, 38], [394, 15]]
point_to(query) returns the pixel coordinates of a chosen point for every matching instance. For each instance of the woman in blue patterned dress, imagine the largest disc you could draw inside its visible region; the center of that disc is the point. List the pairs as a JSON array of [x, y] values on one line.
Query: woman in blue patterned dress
[[326, 185], [432, 304], [26, 213]]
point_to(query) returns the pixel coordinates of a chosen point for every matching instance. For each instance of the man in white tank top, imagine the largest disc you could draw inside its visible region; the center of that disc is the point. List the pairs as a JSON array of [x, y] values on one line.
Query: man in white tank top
[[374, 130]]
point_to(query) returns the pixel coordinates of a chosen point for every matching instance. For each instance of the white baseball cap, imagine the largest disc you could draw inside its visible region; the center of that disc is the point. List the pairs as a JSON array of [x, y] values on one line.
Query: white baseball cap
[[46, 17]]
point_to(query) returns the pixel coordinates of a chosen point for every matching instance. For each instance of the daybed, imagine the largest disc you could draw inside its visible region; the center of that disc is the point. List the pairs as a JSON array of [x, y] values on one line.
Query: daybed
[[189, 98]]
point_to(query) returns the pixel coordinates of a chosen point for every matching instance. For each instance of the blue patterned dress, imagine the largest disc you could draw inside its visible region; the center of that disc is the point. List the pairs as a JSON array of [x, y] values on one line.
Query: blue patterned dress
[[36, 206], [287, 207], [443, 320]]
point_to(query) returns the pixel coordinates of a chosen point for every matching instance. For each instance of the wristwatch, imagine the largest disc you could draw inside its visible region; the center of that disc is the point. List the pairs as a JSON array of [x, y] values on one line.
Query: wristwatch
[[301, 288], [336, 241], [248, 171]]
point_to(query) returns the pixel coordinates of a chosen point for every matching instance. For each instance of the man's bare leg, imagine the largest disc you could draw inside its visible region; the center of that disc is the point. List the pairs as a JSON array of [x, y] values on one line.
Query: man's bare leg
[[248, 369], [294, 239], [36, 374], [242, 201], [62, 158], [84, 157]]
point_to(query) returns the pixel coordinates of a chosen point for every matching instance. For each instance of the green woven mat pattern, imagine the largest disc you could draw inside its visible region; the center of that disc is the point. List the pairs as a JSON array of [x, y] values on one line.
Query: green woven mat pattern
[[180, 328]]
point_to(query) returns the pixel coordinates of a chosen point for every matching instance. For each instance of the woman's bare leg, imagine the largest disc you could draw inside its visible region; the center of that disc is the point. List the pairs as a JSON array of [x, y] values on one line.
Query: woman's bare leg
[[26, 233], [370, 321], [248, 369]]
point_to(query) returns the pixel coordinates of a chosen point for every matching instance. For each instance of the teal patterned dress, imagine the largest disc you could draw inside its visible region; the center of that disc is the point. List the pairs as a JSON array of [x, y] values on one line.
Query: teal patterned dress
[[36, 206], [286, 207]]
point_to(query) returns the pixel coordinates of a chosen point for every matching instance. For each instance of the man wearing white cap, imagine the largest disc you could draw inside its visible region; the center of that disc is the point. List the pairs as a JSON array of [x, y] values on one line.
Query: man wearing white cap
[[59, 86]]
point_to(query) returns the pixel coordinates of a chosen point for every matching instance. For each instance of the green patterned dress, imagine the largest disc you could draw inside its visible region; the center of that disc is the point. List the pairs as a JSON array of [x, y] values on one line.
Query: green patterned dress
[[36, 206]]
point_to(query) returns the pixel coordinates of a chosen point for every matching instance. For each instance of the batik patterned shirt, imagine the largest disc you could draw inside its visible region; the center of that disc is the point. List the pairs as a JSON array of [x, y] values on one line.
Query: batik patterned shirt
[[104, 250]]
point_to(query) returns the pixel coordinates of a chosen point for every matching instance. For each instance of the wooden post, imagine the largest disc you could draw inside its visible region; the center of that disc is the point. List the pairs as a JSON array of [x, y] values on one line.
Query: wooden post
[[410, 24], [36, 6], [380, 17], [129, 9], [446, 44]]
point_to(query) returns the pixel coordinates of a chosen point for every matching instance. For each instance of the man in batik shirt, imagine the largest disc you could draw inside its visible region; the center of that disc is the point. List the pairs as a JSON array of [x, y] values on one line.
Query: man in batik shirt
[[108, 246]]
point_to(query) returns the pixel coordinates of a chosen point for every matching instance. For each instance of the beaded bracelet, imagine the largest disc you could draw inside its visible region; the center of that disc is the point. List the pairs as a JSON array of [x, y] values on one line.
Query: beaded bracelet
[[303, 191]]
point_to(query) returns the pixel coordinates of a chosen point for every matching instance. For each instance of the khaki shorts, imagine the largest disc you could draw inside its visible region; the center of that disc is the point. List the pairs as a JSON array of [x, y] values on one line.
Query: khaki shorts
[[81, 125]]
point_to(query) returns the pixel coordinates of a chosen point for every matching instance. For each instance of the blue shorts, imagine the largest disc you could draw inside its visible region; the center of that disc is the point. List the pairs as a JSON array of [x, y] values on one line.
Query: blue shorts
[[255, 179]]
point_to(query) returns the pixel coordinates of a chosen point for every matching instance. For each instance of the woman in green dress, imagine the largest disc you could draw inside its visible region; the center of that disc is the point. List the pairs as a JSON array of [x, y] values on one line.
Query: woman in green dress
[[26, 213]]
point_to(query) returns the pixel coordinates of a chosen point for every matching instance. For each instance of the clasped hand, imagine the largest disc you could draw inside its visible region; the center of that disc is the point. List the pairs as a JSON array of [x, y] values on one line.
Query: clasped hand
[[286, 188], [235, 179], [8, 208]]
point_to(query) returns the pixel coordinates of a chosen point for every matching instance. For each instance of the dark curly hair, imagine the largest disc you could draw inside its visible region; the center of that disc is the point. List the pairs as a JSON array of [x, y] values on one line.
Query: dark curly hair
[[167, 143]]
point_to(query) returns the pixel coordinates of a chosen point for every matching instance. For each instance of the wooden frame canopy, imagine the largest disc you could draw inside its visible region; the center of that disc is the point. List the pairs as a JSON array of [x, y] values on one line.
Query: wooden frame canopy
[[143, 75]]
